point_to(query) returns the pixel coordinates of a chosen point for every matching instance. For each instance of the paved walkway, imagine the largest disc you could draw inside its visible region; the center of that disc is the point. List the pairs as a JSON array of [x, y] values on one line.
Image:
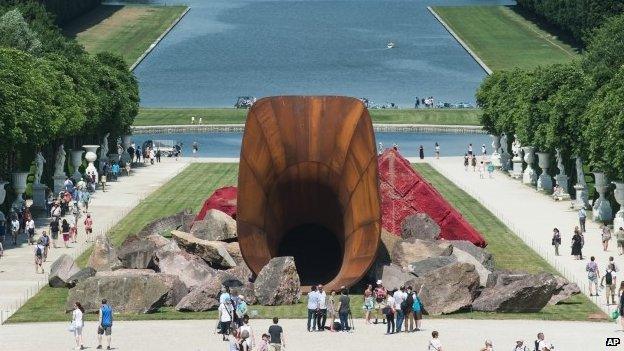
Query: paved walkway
[[18, 280], [532, 216], [457, 335]]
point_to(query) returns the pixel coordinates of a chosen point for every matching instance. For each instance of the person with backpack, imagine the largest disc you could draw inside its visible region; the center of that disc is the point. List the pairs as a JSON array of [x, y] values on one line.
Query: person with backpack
[[45, 241], [541, 343], [105, 324], [417, 308], [399, 305], [65, 231], [226, 311], [39, 248], [582, 216], [407, 310], [380, 296], [246, 335], [593, 274], [389, 312], [610, 280], [556, 240]]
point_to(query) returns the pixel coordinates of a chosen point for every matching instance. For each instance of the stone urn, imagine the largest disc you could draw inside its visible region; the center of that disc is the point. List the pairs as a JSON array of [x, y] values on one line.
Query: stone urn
[[126, 141], [618, 220], [91, 156], [76, 158], [529, 176], [602, 208], [496, 156], [544, 181], [19, 185], [2, 197]]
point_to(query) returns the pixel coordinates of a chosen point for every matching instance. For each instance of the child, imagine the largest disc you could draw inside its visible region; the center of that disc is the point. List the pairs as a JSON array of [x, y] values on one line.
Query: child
[[434, 343], [88, 223], [264, 344], [481, 166]]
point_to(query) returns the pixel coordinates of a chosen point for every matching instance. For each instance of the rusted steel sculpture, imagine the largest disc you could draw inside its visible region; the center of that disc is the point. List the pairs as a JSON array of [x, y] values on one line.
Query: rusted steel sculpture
[[307, 187]]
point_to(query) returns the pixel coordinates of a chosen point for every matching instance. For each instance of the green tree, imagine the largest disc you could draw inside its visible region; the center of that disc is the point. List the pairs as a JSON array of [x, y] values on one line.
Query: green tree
[[15, 33], [605, 52]]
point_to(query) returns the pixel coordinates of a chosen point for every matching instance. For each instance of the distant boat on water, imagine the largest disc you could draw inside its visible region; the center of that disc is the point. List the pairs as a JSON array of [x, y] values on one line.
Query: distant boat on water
[[391, 45]]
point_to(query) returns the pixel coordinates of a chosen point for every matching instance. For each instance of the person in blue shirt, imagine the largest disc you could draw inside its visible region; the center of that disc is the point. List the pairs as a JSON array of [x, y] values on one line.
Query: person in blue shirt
[[105, 324]]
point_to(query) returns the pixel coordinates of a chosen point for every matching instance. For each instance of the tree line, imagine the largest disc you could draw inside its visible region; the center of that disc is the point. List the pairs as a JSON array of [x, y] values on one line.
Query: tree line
[[53, 92], [577, 18], [577, 107], [62, 10]]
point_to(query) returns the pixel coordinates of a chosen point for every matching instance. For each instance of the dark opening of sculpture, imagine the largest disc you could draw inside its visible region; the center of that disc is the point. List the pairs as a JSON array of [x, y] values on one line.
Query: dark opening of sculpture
[[308, 188]]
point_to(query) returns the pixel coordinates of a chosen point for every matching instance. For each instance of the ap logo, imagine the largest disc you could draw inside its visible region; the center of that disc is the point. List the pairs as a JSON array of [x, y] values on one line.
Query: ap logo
[[612, 342]]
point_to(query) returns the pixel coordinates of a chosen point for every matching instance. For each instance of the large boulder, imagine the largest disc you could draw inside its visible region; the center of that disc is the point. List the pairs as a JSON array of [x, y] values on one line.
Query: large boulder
[[394, 277], [427, 265], [215, 253], [198, 300], [80, 276], [233, 249], [61, 270], [138, 252], [463, 256], [388, 241], [205, 296], [179, 221], [411, 250], [191, 269], [127, 292], [104, 255], [563, 290], [177, 288], [448, 289], [480, 254], [216, 226], [420, 226], [529, 294], [278, 282], [504, 277]]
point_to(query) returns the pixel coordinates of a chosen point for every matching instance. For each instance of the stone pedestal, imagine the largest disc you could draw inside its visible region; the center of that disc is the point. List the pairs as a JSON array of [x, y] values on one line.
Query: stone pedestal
[[602, 211], [516, 171], [529, 176], [125, 156], [496, 158], [39, 196], [19, 185], [562, 182], [618, 219], [504, 161], [582, 198], [59, 180], [544, 181]]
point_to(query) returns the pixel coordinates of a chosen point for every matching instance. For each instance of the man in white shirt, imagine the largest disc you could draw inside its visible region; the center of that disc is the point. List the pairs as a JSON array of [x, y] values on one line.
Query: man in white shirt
[[321, 317], [399, 296], [225, 318], [313, 305], [543, 345]]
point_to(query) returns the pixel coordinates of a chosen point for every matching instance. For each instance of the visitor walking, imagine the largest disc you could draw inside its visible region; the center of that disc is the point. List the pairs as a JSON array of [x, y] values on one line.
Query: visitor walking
[[152, 156], [78, 324], [158, 155], [417, 308], [437, 150], [481, 170], [138, 154], [483, 150], [30, 229], [488, 346], [470, 149], [313, 305], [389, 312], [621, 304], [264, 342], [612, 262], [421, 152], [593, 274], [344, 310], [225, 311], [406, 307], [582, 216], [434, 343], [246, 335], [195, 148], [278, 337], [85, 199], [541, 343], [609, 280], [55, 212], [369, 303], [490, 170], [54, 231], [606, 237], [466, 162], [15, 228], [321, 315], [556, 240], [399, 298], [473, 163], [88, 224], [380, 296], [619, 236], [577, 244], [520, 346], [39, 258], [105, 324], [45, 241], [65, 231]]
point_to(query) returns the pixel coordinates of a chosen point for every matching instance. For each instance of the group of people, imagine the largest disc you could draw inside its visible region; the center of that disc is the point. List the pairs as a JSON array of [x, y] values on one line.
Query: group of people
[[484, 164], [20, 222], [428, 102], [105, 325], [321, 307], [394, 307], [147, 155]]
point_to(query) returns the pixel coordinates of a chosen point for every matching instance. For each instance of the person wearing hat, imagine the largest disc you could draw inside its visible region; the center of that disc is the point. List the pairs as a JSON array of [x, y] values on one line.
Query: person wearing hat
[[488, 346], [380, 294], [520, 346]]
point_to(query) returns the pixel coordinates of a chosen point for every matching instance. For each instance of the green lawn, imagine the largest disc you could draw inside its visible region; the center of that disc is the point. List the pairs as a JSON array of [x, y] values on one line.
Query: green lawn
[[504, 39], [125, 30], [164, 116], [198, 181]]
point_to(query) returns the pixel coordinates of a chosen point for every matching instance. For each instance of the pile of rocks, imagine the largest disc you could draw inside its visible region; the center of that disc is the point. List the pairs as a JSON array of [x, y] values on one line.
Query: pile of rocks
[[149, 271], [456, 275]]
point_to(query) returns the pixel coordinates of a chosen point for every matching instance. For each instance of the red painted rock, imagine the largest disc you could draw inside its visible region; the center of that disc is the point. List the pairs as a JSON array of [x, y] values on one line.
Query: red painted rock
[[223, 199], [404, 192]]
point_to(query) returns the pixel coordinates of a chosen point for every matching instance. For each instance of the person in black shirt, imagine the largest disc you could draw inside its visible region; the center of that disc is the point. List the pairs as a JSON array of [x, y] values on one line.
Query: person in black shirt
[[278, 339]]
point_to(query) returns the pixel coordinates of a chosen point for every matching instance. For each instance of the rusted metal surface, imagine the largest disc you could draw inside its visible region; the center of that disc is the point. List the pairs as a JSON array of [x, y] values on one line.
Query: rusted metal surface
[[309, 161]]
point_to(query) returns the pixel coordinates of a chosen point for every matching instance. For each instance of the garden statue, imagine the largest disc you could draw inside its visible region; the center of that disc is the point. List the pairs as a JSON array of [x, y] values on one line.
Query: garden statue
[[59, 164], [496, 158], [104, 147], [504, 153], [559, 161], [561, 179], [39, 161], [516, 146], [582, 197]]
